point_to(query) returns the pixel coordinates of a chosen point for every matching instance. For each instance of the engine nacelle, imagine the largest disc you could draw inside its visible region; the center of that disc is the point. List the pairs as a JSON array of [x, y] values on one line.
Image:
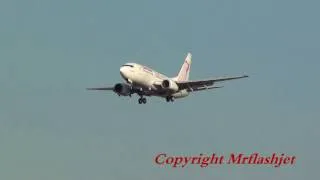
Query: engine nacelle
[[169, 85], [122, 89]]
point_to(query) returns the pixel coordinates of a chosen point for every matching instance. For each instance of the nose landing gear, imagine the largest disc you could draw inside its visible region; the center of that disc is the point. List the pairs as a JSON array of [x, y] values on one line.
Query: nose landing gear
[[169, 98], [142, 100]]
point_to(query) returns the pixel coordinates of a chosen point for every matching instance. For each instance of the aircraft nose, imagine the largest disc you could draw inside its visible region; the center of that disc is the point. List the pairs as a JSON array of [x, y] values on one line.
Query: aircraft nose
[[123, 71]]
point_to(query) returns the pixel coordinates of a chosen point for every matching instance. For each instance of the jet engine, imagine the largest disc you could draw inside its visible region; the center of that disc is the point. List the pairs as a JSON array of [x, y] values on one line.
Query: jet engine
[[169, 85], [122, 89]]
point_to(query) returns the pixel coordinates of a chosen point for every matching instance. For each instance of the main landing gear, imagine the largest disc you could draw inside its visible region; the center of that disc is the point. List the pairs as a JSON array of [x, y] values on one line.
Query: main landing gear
[[142, 100], [169, 98]]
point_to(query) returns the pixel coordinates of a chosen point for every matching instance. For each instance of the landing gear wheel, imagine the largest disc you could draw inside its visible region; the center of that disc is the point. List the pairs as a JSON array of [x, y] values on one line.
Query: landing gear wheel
[[144, 100], [140, 101]]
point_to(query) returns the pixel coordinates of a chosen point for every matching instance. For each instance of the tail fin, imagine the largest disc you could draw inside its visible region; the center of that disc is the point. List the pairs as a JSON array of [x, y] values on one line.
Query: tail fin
[[185, 69]]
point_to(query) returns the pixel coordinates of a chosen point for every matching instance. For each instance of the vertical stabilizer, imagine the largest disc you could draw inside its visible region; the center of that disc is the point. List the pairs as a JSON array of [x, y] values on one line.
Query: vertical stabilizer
[[183, 74]]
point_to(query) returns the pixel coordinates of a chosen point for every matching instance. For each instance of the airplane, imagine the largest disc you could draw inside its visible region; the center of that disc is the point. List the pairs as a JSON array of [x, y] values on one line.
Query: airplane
[[144, 81]]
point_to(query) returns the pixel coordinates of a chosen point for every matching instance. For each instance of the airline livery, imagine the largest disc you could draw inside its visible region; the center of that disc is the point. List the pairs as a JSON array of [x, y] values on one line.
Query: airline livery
[[144, 81]]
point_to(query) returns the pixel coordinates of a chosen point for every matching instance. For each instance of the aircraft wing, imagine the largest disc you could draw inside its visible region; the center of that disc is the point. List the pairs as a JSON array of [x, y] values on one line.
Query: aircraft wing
[[203, 88], [101, 88], [205, 84], [137, 90]]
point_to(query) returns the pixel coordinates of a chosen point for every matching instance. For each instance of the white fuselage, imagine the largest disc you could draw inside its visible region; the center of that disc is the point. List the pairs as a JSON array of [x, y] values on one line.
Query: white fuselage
[[145, 77], [140, 75]]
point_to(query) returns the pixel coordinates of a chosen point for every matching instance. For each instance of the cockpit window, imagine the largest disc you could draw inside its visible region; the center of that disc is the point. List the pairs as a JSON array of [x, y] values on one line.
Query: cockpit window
[[129, 65]]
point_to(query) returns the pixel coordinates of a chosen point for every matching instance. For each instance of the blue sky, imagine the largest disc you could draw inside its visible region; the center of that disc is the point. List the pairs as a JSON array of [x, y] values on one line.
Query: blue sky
[[52, 128]]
